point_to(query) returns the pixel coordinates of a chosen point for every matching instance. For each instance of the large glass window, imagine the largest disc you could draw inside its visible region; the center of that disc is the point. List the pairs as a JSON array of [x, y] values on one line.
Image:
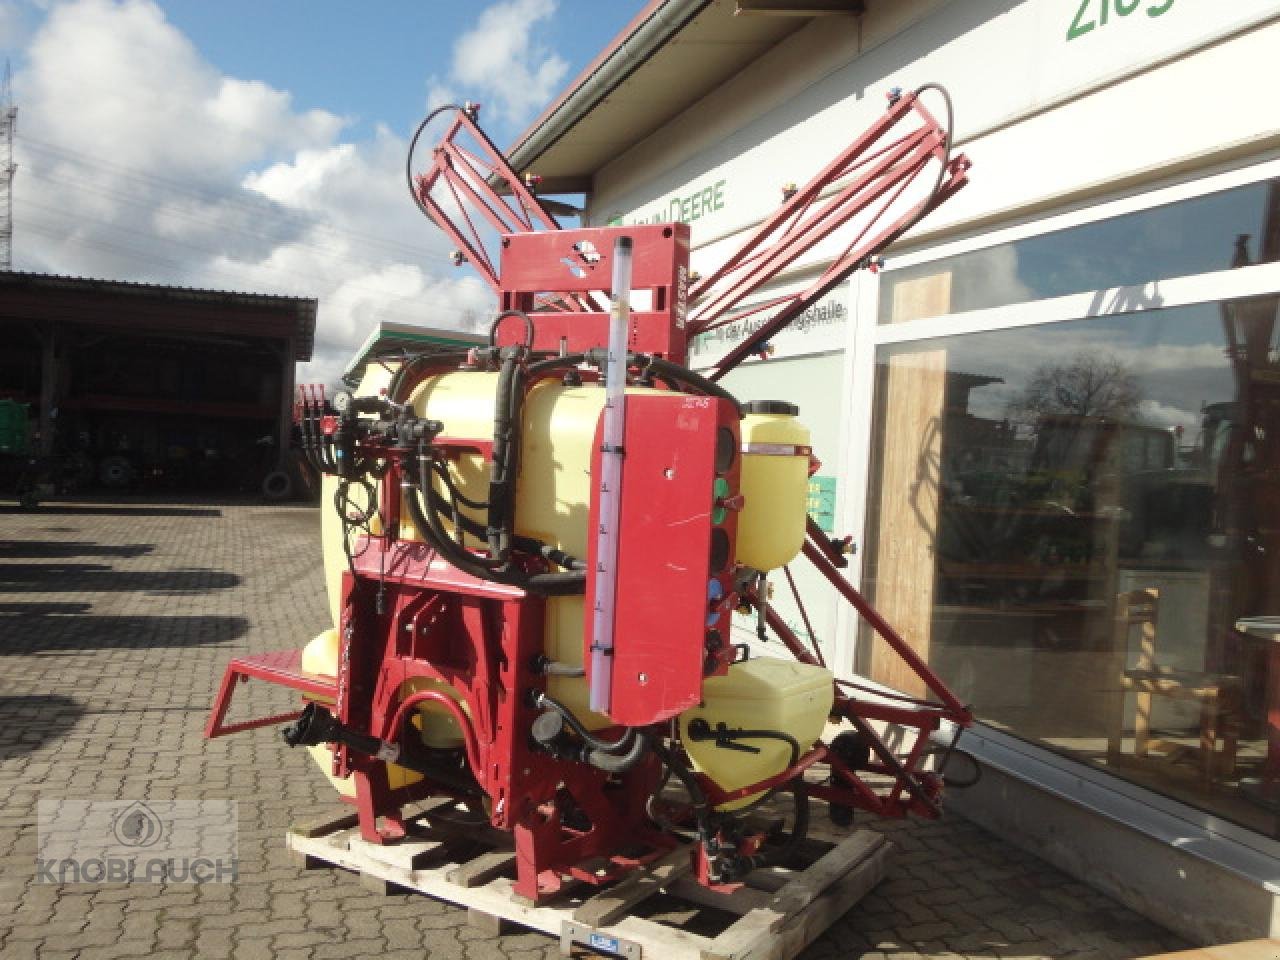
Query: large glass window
[[1078, 522], [1208, 233], [1071, 519]]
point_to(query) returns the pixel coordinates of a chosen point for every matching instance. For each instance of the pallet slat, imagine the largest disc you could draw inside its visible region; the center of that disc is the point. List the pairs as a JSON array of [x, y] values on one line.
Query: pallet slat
[[773, 924], [611, 904], [804, 908], [482, 869]]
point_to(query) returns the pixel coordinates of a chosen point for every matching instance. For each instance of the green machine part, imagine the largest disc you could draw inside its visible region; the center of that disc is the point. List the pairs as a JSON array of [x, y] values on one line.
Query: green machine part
[[15, 434]]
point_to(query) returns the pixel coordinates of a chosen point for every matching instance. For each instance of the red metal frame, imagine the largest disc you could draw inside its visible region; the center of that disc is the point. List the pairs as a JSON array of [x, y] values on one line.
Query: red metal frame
[[281, 667], [862, 192], [467, 177], [410, 618], [565, 274]]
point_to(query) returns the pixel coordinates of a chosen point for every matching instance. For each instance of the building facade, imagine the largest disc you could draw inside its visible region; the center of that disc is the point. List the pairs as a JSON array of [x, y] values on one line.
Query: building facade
[[1051, 420]]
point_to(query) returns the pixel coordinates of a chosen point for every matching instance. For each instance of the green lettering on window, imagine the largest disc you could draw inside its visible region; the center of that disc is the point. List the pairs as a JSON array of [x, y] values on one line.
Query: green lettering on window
[[1078, 28]]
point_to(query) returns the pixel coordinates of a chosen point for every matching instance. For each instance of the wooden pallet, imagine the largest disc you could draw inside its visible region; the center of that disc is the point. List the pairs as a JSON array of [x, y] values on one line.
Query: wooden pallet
[[773, 917]]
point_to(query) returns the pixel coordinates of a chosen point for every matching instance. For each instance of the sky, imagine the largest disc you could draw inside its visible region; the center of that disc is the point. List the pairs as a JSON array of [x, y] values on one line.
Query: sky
[[261, 146]]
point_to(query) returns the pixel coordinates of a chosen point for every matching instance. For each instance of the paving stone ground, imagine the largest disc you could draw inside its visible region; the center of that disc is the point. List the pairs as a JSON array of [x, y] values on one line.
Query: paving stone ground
[[115, 623]]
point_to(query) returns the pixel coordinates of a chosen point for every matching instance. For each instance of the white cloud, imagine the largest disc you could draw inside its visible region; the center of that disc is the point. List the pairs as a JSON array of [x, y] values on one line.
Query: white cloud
[[1158, 414], [439, 94], [139, 160], [500, 63]]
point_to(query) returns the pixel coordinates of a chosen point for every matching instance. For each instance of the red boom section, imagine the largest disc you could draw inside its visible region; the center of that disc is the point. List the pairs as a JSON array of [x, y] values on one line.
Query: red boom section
[[864, 194], [459, 191], [863, 199]]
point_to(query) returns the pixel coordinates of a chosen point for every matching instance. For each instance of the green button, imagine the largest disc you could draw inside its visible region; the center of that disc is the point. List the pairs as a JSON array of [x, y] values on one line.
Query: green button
[[719, 491]]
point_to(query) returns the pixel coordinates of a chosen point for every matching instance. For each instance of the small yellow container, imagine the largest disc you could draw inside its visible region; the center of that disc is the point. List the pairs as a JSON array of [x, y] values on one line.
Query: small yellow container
[[775, 485], [758, 694]]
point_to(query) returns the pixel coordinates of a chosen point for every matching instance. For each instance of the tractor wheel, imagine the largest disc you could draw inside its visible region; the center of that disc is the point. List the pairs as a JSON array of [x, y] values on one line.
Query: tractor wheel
[[277, 485]]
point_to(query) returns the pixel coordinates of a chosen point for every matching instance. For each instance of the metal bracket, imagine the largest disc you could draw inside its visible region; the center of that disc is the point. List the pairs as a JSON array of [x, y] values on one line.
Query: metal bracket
[[593, 939]]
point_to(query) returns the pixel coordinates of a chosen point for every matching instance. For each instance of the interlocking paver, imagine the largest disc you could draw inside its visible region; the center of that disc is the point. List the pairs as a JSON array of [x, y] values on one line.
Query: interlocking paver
[[115, 623]]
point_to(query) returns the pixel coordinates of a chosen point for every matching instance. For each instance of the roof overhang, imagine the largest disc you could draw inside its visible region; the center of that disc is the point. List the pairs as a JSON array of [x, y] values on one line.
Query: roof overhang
[[392, 340], [669, 57], [150, 306]]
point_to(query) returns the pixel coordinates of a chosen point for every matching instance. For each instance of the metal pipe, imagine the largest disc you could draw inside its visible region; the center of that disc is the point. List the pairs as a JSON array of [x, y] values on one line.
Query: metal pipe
[[611, 454], [959, 713]]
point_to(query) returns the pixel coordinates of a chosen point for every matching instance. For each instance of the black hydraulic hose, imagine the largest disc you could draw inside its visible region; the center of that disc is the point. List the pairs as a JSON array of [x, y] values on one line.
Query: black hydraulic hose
[[672, 373], [683, 775], [696, 796], [555, 363], [723, 734], [314, 443], [800, 829], [554, 554], [687, 378], [906, 777], [568, 584], [619, 763], [527, 545], [396, 389], [427, 521], [442, 471], [413, 146], [507, 419], [943, 167], [772, 856], [435, 532], [728, 735], [452, 779], [501, 488], [497, 322], [623, 743], [946, 160]]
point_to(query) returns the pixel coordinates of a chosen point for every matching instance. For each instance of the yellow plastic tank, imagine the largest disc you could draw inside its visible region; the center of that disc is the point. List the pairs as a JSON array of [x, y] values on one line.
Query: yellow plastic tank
[[758, 694], [775, 485]]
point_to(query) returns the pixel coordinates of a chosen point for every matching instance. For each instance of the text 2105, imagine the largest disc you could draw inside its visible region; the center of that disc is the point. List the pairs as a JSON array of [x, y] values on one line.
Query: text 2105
[[1098, 13]]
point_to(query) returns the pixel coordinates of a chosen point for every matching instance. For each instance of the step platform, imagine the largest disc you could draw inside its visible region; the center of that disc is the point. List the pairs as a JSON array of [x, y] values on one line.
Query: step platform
[[658, 911]]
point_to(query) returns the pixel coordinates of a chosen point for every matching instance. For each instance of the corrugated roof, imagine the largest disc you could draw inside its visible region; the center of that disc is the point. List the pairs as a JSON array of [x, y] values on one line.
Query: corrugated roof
[[304, 308]]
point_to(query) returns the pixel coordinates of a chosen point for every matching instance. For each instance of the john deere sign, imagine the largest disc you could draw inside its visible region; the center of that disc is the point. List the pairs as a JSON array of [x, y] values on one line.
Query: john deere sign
[[699, 202]]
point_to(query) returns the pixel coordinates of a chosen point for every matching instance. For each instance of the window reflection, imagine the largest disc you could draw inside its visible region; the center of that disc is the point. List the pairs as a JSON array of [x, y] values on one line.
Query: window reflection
[[1208, 233], [1070, 519]]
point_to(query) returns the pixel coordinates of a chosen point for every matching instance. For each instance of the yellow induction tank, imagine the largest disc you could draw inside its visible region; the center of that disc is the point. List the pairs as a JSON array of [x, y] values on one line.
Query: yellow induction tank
[[762, 693], [775, 485]]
